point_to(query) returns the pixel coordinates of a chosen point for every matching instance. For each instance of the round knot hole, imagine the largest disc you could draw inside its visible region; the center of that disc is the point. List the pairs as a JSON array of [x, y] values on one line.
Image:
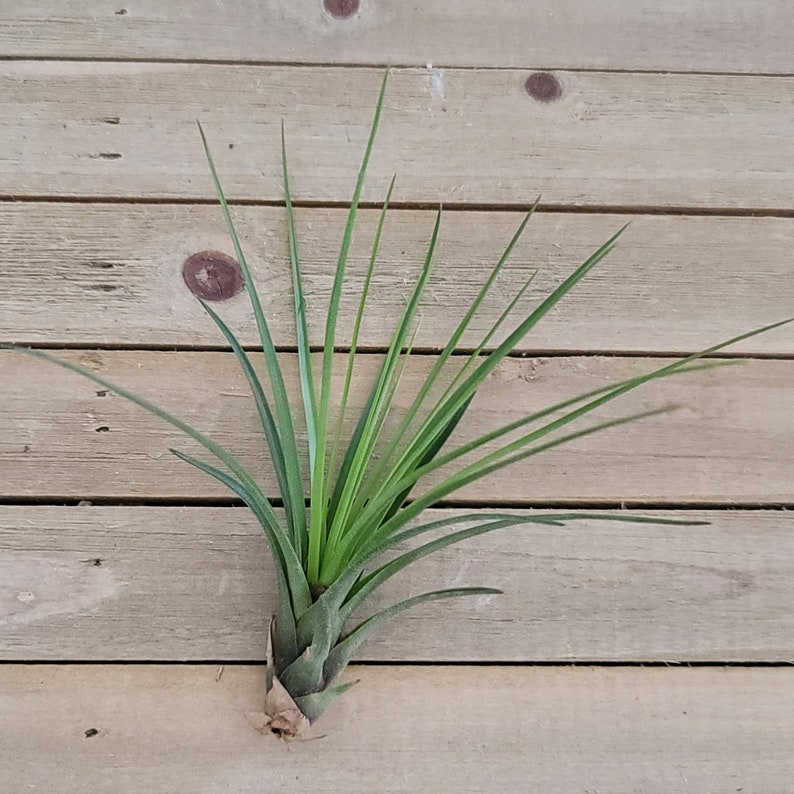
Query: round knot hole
[[341, 8], [212, 275], [543, 87]]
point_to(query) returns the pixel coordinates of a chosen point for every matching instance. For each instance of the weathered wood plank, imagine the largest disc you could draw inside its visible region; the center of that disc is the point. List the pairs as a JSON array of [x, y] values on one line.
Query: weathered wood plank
[[425, 729], [111, 274], [732, 441], [646, 140], [196, 584], [718, 35]]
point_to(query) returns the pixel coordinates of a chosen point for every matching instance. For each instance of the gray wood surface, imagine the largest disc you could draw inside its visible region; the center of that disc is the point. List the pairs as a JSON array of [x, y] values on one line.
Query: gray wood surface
[[716, 36], [112, 274], [453, 136], [673, 113], [467, 729], [730, 440], [155, 583]]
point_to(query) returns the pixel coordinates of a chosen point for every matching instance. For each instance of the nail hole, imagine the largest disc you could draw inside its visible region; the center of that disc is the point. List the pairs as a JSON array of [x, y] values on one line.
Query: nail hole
[[121, 12], [102, 429], [212, 276], [103, 287], [112, 120], [341, 8], [96, 562], [108, 156], [102, 393], [99, 264], [91, 732], [543, 87]]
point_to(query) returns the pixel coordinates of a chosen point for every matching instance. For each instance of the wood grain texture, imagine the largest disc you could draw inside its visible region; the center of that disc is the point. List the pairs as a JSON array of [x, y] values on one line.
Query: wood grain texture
[[72, 129], [717, 35], [154, 583], [165, 729], [110, 274], [731, 439]]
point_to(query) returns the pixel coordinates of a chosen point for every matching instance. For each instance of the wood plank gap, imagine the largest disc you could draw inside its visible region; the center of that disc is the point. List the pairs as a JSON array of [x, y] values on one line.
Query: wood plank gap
[[415, 352], [4, 663], [410, 206], [505, 504], [561, 67]]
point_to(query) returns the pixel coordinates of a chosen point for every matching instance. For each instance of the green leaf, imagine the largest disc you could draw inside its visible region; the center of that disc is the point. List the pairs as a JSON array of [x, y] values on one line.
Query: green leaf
[[304, 357], [315, 704], [244, 485], [386, 464], [298, 533], [362, 535], [343, 652], [437, 420], [355, 440], [283, 411], [502, 456], [305, 675], [495, 521], [362, 453], [283, 553], [430, 453], [319, 486]]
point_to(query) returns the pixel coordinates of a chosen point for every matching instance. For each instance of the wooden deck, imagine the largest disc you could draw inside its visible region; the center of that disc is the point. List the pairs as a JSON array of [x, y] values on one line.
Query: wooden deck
[[620, 658]]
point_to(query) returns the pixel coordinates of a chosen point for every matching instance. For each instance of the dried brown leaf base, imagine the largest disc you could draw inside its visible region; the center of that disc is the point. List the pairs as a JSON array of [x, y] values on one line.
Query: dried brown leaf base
[[281, 716]]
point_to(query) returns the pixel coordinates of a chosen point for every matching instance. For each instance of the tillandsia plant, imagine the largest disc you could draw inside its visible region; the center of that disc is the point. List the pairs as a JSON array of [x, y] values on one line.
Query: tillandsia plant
[[327, 541]]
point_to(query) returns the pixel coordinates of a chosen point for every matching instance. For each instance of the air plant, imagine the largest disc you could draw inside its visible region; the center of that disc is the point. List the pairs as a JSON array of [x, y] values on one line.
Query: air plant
[[327, 541]]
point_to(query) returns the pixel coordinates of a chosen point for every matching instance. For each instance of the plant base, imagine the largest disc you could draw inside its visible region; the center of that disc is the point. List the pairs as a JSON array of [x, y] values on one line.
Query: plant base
[[282, 715]]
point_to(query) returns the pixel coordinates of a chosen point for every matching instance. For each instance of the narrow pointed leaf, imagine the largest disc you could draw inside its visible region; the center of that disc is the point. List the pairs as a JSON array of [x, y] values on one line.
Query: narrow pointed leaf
[[437, 420], [283, 411], [386, 463], [475, 471], [305, 675], [375, 579], [430, 453], [363, 452], [304, 357], [315, 704], [283, 552], [343, 652], [319, 487], [268, 425], [353, 348], [484, 466]]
